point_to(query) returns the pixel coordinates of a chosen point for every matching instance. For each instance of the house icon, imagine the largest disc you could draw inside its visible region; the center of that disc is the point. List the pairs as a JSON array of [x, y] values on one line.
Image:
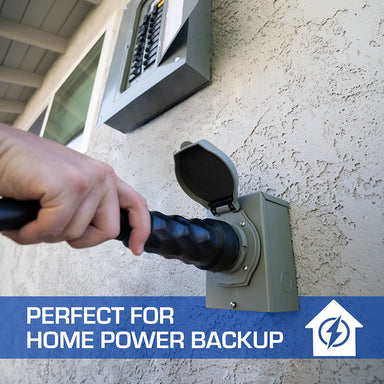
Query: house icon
[[334, 331]]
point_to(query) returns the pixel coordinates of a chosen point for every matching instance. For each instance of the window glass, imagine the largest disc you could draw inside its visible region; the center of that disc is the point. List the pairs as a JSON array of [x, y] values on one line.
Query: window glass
[[38, 124], [70, 105]]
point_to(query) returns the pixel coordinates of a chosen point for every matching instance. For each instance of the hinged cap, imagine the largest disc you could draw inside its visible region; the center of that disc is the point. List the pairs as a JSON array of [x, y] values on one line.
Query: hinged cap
[[208, 176]]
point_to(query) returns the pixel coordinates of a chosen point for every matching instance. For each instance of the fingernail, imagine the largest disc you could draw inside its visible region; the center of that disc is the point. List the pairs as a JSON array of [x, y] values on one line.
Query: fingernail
[[140, 249]]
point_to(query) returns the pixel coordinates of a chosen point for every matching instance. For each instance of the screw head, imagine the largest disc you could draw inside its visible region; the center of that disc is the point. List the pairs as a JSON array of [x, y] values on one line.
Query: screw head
[[242, 224], [177, 59], [245, 267], [232, 304]]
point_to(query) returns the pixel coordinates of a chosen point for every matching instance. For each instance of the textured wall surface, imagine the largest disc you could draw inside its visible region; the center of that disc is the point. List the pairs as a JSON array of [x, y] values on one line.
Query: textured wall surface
[[296, 100]]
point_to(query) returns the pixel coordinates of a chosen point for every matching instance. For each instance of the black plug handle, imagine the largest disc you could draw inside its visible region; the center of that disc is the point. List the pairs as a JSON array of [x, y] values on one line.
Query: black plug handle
[[16, 213], [208, 244]]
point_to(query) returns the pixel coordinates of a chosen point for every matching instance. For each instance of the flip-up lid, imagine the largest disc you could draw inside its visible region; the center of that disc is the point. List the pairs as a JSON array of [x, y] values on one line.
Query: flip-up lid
[[208, 176]]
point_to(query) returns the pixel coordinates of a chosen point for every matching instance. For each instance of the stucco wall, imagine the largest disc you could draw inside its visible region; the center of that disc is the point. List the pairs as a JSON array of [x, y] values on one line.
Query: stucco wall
[[296, 100]]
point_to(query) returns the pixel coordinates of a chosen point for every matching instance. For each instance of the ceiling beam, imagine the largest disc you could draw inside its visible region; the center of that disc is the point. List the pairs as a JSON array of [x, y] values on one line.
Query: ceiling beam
[[16, 76], [12, 106], [32, 36], [96, 2]]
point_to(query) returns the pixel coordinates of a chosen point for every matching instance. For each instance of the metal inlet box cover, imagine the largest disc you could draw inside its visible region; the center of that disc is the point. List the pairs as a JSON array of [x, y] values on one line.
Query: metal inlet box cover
[[208, 176]]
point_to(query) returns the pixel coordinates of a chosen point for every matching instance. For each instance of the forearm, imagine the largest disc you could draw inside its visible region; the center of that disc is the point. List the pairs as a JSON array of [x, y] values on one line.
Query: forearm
[[80, 197]]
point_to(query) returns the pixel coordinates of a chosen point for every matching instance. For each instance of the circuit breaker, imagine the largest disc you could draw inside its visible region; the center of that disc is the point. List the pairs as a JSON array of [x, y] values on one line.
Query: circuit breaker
[[162, 56]]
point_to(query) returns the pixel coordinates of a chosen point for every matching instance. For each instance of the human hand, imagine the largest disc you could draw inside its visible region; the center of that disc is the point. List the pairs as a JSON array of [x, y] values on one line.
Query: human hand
[[80, 197]]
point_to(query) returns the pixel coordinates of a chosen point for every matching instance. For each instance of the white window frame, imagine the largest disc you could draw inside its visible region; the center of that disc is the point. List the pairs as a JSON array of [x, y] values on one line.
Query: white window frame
[[81, 143]]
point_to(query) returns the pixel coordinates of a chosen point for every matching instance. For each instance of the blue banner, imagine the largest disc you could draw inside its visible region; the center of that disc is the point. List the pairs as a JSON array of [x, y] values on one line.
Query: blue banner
[[182, 327]]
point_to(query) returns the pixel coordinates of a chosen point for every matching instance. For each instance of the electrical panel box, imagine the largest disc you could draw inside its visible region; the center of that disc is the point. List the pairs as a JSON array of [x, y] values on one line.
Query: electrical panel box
[[162, 56]]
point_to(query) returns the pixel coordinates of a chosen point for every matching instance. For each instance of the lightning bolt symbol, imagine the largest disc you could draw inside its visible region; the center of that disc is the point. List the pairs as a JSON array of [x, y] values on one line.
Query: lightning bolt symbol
[[333, 330]]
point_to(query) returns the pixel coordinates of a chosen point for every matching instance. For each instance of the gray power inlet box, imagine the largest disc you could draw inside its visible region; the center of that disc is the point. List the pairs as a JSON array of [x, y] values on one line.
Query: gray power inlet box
[[263, 277], [162, 56]]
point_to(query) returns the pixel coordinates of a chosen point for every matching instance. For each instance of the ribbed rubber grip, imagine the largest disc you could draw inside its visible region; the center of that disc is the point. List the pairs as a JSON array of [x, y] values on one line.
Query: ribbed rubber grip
[[208, 244]]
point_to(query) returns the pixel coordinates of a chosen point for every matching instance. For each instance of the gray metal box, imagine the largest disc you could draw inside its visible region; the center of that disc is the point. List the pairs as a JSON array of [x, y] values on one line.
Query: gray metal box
[[272, 287], [179, 63]]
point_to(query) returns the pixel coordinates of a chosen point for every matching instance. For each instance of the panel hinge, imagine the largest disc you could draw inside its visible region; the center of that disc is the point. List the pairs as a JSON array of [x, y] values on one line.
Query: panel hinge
[[221, 206]]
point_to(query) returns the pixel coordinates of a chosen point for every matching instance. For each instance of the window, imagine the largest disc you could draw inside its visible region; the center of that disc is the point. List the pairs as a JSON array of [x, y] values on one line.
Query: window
[[68, 113], [38, 123]]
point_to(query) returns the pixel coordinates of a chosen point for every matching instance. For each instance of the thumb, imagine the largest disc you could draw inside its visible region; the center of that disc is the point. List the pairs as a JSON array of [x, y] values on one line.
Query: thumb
[[138, 216]]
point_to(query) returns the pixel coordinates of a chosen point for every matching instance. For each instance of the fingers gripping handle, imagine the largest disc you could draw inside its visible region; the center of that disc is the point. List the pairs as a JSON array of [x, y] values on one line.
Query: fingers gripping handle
[[208, 244]]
